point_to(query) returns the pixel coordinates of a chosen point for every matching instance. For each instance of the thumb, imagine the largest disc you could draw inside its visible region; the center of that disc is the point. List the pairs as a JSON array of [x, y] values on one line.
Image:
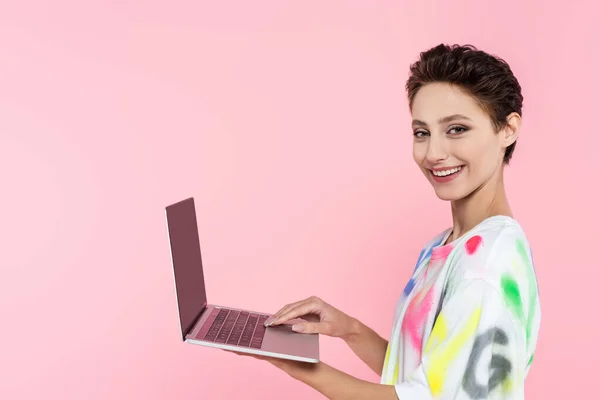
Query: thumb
[[311, 327]]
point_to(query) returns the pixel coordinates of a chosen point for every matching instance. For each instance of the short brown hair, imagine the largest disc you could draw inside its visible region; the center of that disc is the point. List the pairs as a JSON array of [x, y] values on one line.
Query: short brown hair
[[487, 78]]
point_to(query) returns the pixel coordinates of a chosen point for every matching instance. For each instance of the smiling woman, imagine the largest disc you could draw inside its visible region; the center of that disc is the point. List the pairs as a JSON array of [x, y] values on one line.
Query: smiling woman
[[467, 322], [466, 107]]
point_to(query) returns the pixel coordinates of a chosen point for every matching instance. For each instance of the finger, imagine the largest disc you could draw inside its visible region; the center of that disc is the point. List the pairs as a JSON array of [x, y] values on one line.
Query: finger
[[298, 311], [245, 354], [285, 309], [323, 328], [311, 318], [290, 306]]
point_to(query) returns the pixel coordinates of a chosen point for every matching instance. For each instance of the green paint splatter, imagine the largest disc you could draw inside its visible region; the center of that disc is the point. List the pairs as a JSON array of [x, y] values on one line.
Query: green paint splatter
[[532, 283], [530, 360], [513, 296], [522, 250]]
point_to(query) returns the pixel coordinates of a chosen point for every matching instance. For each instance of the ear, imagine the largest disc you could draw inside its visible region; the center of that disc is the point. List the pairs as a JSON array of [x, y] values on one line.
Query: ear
[[511, 131]]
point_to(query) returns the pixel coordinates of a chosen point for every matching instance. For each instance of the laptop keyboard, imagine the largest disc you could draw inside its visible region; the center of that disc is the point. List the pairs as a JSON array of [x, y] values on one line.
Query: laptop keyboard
[[237, 328]]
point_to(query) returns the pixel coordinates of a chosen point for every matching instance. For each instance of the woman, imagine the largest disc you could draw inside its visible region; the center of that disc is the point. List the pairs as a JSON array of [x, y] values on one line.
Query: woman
[[467, 323]]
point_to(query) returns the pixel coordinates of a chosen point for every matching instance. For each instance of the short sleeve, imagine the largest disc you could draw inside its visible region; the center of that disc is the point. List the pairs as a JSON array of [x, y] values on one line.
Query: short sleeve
[[481, 343]]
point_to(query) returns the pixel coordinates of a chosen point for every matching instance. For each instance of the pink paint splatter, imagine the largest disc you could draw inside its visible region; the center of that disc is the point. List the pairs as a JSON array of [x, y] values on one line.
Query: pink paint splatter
[[441, 253], [473, 244], [416, 316]]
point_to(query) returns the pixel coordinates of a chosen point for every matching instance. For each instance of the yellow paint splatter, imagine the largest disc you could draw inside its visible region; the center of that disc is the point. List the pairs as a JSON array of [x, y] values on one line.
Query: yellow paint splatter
[[438, 334], [396, 372], [386, 362], [507, 386], [387, 356], [442, 355]]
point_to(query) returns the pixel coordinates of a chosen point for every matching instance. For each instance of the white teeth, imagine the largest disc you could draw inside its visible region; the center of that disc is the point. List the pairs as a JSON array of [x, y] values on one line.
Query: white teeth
[[446, 172]]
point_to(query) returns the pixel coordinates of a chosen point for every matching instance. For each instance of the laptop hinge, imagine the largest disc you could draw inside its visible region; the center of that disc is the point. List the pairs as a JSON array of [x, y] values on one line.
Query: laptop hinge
[[193, 324]]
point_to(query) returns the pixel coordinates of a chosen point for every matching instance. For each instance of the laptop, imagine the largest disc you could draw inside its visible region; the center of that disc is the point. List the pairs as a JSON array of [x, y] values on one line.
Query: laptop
[[217, 326]]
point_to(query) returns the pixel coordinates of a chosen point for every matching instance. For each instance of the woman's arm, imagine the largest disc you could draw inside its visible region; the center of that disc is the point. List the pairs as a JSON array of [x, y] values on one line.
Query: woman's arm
[[364, 342], [369, 346], [337, 385]]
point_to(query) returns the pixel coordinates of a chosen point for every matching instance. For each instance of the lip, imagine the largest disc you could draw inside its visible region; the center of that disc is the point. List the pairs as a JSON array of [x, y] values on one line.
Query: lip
[[444, 168], [448, 178]]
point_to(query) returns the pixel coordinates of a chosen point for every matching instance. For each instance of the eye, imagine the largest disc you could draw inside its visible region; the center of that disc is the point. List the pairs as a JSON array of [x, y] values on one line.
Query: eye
[[420, 134], [457, 130]]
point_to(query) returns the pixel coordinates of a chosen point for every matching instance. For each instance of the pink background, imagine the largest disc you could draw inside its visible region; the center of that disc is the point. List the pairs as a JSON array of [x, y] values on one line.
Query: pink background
[[289, 125]]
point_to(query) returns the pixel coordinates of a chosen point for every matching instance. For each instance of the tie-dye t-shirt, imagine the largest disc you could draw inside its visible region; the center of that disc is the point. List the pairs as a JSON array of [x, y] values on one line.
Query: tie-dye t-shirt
[[466, 326]]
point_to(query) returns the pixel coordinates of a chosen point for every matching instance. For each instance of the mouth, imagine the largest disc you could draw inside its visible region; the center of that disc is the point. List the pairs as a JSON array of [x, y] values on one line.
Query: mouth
[[446, 175]]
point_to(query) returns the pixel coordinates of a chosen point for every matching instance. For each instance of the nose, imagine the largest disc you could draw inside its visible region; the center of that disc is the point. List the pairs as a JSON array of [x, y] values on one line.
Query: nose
[[436, 150]]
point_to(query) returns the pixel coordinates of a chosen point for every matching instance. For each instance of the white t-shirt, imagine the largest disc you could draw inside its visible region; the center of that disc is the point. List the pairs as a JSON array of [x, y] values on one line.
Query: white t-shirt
[[466, 326]]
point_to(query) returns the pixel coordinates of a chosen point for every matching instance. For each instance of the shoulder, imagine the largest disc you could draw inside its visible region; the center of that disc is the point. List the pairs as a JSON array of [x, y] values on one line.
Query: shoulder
[[496, 256], [496, 251], [490, 250]]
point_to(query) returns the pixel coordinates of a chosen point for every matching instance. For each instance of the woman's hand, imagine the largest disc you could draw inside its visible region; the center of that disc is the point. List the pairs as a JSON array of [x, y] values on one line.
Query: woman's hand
[[290, 367], [316, 317], [330, 382]]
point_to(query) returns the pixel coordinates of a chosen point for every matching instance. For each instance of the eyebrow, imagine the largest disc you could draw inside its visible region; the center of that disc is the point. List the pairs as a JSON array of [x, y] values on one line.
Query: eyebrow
[[444, 120]]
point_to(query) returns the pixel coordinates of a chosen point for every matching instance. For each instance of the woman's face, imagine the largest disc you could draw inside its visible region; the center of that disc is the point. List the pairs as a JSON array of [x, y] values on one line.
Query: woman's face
[[455, 143]]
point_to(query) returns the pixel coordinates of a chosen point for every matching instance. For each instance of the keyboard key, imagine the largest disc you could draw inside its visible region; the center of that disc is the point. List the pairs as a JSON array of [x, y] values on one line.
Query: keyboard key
[[238, 328], [236, 334], [211, 335], [227, 327]]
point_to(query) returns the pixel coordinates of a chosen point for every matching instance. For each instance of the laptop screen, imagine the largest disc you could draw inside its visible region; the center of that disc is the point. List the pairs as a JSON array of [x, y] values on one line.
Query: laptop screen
[[187, 262]]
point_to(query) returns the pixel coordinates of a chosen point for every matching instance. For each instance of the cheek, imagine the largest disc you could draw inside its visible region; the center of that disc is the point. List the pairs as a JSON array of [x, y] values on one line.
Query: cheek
[[481, 157], [419, 152], [471, 151]]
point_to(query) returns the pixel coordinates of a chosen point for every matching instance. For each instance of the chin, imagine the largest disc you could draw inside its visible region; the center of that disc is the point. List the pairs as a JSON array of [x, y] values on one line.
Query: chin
[[449, 195]]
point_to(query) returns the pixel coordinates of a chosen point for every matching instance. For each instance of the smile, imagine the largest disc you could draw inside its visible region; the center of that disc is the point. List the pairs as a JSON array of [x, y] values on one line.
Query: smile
[[446, 175], [446, 172]]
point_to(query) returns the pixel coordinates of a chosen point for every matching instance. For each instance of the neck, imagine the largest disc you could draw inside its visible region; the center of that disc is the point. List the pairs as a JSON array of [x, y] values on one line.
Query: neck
[[486, 201]]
